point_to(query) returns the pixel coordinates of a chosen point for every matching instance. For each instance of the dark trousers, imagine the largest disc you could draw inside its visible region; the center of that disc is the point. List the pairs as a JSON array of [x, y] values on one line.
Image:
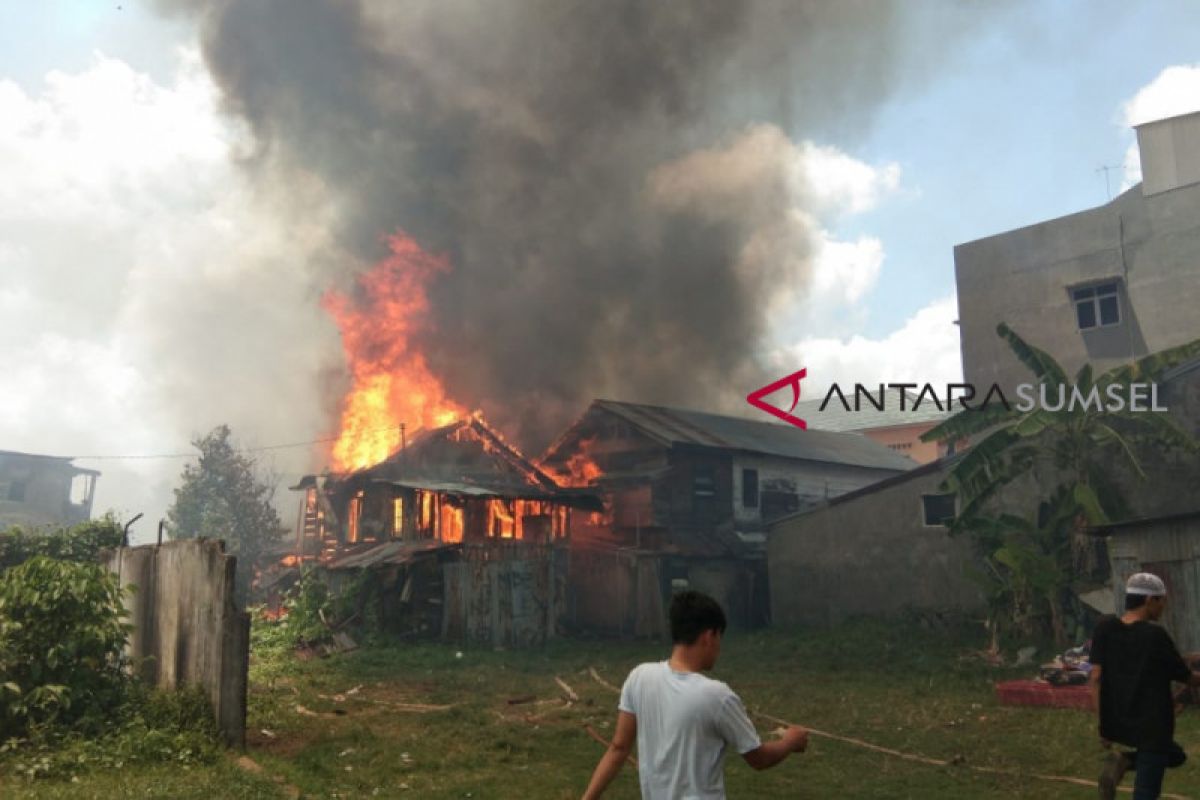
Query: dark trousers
[[1150, 766]]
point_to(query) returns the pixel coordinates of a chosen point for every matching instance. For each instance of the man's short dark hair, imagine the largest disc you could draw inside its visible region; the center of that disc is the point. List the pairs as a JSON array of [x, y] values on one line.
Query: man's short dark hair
[[1133, 601], [693, 613]]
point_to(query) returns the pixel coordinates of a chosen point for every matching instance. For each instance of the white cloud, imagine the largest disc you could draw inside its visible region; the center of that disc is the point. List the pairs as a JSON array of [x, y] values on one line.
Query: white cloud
[[923, 350], [135, 263], [1174, 91]]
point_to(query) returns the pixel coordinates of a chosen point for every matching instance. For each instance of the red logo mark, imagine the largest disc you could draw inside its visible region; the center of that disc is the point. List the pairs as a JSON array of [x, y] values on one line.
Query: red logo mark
[[755, 398]]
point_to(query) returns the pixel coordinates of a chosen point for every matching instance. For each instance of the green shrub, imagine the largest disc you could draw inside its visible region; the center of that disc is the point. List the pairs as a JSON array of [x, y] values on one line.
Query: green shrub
[[61, 644], [81, 543], [151, 726], [307, 601]]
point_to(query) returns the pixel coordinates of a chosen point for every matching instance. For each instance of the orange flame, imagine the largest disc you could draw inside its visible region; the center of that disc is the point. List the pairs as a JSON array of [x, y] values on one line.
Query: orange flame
[[581, 470], [392, 384]]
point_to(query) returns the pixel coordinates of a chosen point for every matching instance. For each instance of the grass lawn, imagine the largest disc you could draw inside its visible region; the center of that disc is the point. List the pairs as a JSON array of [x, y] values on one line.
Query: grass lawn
[[345, 727]]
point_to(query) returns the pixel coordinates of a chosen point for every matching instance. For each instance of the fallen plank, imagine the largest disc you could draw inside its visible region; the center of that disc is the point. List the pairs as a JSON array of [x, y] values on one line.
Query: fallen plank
[[570, 693], [601, 681]]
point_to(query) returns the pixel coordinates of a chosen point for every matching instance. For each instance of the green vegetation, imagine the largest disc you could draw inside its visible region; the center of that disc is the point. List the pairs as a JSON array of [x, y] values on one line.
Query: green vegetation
[[61, 641], [80, 543], [419, 721], [68, 704], [1032, 561], [223, 496]]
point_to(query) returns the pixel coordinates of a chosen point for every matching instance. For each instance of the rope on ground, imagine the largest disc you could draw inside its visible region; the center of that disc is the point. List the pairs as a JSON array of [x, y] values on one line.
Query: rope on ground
[[936, 762]]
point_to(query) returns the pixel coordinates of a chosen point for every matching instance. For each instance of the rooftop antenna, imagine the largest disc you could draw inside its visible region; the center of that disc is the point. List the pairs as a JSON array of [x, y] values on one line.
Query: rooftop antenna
[[1106, 168]]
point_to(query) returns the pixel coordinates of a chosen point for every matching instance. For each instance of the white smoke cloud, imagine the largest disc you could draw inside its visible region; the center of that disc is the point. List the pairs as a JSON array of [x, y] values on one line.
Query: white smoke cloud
[[145, 298], [1174, 91], [925, 349]]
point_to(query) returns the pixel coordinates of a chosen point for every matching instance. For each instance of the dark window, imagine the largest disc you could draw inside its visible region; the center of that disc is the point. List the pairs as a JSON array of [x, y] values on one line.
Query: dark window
[[1096, 306], [750, 488], [938, 509]]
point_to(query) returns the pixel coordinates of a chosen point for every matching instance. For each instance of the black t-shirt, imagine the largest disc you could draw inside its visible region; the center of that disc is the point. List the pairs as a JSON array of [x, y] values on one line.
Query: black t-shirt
[[1137, 664]]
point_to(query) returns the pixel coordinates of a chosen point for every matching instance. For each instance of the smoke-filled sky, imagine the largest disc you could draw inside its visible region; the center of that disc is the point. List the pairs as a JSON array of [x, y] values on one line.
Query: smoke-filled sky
[[659, 202]]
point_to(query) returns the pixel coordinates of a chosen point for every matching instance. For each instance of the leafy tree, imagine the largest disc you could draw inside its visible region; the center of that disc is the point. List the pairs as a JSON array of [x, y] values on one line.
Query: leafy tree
[[222, 496], [1072, 453]]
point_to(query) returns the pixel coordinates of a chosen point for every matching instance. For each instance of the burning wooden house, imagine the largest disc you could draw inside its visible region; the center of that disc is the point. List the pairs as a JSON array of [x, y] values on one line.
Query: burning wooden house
[[687, 498], [465, 534]]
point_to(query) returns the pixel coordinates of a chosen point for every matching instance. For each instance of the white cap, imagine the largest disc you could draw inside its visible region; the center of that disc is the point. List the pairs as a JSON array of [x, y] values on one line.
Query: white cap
[[1145, 584]]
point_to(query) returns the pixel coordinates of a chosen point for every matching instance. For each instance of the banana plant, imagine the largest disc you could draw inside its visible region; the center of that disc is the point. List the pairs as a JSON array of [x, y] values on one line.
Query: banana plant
[[1080, 444], [1074, 453]]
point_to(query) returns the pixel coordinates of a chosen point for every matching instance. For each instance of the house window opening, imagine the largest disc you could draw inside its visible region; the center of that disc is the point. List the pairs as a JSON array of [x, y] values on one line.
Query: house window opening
[[750, 488], [397, 516], [938, 509], [355, 514], [1096, 306]]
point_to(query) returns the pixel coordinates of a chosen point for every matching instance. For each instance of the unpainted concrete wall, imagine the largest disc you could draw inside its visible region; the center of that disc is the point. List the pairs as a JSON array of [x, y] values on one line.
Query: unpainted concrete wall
[[1149, 245], [187, 629], [872, 555]]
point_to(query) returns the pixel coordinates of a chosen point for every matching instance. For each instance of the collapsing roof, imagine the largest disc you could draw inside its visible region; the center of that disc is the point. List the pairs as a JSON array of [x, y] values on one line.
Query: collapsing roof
[[394, 553], [470, 459], [675, 426]]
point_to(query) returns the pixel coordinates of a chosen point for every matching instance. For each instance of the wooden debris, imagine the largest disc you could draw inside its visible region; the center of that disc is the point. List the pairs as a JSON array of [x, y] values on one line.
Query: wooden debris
[[567, 690], [596, 676]]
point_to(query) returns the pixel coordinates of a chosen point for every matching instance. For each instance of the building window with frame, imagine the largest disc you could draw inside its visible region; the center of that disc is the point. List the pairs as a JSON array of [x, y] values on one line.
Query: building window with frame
[[1096, 306], [938, 509], [750, 488]]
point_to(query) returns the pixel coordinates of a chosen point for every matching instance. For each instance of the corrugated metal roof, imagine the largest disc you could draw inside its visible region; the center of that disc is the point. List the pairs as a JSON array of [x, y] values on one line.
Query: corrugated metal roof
[[835, 417], [680, 426], [390, 552]]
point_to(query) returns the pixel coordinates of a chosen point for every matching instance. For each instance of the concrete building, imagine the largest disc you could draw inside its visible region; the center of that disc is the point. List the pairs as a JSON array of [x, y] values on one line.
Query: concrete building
[[1103, 286], [42, 491], [877, 551]]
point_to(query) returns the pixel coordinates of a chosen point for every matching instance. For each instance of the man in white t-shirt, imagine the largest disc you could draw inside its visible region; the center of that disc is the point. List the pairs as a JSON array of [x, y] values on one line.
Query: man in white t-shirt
[[683, 722]]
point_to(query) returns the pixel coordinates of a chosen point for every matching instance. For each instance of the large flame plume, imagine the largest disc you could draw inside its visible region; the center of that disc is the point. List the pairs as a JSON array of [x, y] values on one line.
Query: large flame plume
[[391, 382]]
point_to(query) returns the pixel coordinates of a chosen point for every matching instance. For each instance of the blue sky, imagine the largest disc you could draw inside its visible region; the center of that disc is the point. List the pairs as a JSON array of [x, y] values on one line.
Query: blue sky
[[121, 197], [1011, 132]]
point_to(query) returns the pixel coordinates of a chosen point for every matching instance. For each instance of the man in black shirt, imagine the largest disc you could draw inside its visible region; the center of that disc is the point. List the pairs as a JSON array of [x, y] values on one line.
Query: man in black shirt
[[1133, 664]]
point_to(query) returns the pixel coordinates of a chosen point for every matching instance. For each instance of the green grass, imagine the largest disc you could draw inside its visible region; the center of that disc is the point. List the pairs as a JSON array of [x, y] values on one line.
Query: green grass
[[899, 687]]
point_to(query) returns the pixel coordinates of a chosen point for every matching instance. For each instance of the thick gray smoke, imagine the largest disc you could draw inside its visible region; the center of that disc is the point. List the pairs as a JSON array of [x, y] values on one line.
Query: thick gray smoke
[[540, 146]]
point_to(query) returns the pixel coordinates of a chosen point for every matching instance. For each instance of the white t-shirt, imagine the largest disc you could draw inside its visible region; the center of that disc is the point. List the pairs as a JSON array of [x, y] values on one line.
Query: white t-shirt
[[685, 721]]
